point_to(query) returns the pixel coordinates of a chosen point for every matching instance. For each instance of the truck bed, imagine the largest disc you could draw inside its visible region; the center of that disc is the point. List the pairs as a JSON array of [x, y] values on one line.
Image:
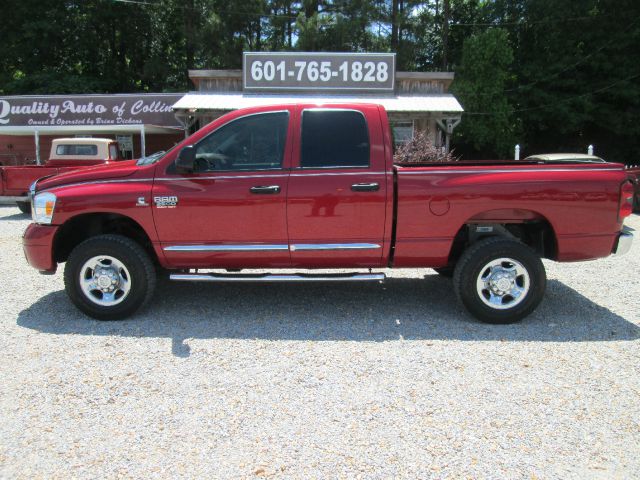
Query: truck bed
[[15, 181], [435, 200]]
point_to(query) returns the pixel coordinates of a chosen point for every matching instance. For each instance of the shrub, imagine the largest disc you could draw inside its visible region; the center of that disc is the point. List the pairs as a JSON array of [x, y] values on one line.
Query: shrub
[[420, 150]]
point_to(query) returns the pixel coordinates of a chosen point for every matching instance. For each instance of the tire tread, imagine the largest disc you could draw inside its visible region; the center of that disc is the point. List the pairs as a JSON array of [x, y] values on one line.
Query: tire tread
[[131, 247], [470, 256]]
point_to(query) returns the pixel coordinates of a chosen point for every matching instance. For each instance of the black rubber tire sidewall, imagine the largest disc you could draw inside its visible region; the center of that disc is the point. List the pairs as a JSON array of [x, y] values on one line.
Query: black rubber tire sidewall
[[25, 207], [446, 272], [481, 253], [127, 251]]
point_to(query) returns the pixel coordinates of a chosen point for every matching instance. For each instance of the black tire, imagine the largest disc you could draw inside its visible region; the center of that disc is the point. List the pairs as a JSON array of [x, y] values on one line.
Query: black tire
[[446, 272], [139, 268], [473, 264], [25, 207]]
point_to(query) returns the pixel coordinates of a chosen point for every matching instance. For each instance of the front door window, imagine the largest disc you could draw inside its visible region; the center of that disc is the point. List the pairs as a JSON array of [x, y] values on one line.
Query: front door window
[[250, 143]]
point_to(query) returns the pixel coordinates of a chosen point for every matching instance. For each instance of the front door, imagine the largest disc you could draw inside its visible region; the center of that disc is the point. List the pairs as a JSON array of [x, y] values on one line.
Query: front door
[[336, 203], [231, 212]]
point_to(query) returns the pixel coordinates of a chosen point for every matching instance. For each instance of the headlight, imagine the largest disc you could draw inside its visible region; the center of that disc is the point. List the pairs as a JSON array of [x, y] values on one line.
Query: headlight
[[43, 206]]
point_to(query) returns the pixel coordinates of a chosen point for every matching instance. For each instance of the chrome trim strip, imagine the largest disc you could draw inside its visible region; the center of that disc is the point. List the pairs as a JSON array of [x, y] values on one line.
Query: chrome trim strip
[[257, 248], [223, 248], [334, 246], [526, 170], [12, 200], [362, 277]]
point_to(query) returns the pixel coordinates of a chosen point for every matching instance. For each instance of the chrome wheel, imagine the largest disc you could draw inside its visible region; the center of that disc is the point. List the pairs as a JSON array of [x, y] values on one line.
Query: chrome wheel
[[105, 280], [503, 283], [499, 280]]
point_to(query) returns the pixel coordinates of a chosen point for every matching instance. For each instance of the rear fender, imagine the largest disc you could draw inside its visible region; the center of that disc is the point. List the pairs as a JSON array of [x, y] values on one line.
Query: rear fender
[[527, 226]]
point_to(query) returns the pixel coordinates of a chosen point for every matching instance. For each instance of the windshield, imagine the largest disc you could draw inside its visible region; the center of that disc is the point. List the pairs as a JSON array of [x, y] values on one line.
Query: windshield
[[153, 158]]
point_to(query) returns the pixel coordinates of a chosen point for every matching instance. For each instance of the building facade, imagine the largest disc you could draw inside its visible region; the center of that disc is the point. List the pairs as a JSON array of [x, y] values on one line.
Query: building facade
[[146, 123], [141, 123], [416, 100]]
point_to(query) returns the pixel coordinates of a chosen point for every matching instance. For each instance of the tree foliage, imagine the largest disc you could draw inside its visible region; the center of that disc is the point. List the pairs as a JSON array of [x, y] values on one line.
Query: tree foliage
[[483, 75], [549, 74]]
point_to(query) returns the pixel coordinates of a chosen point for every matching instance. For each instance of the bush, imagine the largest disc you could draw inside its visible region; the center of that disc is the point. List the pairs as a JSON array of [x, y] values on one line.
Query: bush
[[420, 150]]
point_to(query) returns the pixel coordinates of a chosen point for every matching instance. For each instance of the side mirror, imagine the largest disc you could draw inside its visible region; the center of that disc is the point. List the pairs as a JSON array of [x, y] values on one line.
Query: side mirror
[[186, 159]]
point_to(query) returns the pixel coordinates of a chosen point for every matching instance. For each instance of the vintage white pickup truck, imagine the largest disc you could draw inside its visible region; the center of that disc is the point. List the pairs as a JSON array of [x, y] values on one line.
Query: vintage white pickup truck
[[66, 154]]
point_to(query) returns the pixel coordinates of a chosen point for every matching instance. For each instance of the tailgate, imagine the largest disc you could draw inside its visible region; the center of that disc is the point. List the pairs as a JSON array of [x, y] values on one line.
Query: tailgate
[[17, 180]]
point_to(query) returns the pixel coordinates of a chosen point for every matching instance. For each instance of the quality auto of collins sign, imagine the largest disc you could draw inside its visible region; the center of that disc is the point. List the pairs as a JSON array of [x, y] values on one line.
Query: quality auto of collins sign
[[56, 110]]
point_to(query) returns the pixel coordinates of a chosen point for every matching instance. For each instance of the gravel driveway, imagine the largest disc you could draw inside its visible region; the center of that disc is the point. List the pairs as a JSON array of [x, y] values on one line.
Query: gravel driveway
[[321, 381]]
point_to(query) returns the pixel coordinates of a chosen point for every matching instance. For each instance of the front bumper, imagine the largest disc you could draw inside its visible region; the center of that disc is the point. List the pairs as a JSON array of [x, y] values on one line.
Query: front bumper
[[12, 200], [37, 242], [623, 242]]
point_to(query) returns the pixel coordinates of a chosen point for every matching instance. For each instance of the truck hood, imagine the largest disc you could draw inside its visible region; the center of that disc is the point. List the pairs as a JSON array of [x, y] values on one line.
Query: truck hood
[[107, 171]]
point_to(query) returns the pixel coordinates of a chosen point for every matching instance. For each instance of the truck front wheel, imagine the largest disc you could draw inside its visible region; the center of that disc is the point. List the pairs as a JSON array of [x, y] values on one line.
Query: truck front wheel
[[109, 277], [500, 280]]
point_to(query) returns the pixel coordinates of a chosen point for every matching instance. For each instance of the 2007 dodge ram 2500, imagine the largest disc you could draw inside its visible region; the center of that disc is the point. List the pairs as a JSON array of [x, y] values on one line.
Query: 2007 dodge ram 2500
[[313, 186]]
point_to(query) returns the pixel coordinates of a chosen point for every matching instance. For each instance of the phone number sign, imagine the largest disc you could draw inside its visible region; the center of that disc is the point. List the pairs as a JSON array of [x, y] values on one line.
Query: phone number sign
[[266, 71]]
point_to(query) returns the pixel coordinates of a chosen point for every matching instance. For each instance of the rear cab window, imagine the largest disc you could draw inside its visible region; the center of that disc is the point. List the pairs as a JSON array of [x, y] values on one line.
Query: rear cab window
[[77, 150], [334, 138]]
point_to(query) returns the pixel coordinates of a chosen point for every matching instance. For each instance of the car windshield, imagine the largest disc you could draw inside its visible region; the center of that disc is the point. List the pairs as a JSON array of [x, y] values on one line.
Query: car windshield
[[149, 159]]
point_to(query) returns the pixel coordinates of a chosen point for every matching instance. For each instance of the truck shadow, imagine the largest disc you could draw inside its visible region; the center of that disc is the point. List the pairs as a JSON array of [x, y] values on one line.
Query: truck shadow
[[16, 216], [401, 308]]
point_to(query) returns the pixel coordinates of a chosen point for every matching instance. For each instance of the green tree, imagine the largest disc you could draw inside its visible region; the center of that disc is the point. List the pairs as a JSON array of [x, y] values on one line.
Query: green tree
[[487, 126], [578, 82]]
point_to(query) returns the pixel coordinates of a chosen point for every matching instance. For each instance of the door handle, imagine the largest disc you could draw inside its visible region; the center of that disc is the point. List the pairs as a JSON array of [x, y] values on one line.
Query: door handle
[[365, 187], [265, 189]]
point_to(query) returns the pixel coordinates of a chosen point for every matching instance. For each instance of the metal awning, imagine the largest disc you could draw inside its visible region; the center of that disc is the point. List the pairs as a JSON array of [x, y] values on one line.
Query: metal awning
[[86, 129], [193, 102]]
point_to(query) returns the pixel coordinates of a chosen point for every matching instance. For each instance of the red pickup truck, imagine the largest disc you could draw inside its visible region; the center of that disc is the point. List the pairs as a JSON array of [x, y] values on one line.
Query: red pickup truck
[[66, 154], [310, 186]]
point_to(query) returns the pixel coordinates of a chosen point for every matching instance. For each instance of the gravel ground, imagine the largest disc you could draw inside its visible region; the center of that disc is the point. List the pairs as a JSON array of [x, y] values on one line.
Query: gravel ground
[[321, 381]]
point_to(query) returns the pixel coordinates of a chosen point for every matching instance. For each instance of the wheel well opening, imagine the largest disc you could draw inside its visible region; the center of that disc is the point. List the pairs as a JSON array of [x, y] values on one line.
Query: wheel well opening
[[537, 234], [82, 227]]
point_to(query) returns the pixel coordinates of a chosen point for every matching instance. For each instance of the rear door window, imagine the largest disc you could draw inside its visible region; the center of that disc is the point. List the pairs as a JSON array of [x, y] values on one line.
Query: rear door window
[[334, 139]]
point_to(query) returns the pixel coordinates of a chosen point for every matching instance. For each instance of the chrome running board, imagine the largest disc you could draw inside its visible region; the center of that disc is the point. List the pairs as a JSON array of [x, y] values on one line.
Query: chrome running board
[[284, 277]]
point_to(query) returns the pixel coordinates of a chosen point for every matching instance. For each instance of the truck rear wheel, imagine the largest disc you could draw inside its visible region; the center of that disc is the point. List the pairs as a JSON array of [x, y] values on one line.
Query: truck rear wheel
[[499, 280], [25, 207], [109, 277]]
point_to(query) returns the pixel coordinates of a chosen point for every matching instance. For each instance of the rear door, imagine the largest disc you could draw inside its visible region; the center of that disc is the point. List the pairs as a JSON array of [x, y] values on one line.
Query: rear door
[[337, 195]]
